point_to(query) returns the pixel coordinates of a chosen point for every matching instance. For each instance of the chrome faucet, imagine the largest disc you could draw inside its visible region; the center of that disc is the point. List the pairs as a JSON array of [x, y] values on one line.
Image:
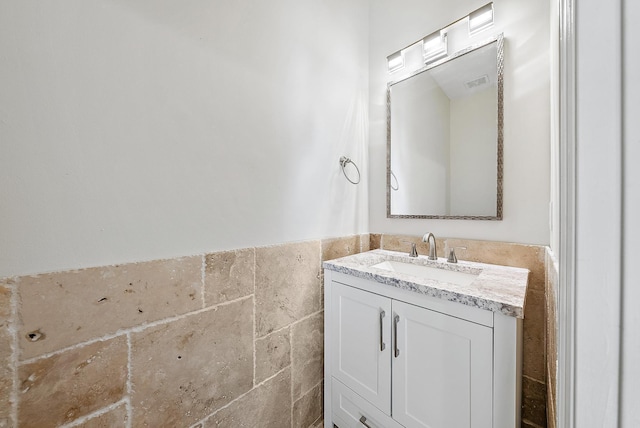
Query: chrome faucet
[[432, 246]]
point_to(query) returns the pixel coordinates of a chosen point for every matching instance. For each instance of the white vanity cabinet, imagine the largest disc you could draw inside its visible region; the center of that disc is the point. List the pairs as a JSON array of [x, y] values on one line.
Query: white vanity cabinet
[[395, 358], [360, 333], [442, 370]]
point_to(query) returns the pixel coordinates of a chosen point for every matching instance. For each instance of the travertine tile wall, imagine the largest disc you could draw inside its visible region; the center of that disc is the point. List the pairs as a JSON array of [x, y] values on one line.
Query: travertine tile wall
[[531, 257], [221, 340], [551, 336]]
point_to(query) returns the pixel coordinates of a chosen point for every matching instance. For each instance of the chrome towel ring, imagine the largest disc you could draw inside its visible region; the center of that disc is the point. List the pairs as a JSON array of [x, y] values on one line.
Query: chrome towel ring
[[395, 178], [343, 162]]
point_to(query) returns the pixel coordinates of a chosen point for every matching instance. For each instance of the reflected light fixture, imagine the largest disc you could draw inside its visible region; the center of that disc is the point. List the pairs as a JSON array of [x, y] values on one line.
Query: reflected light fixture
[[434, 46], [481, 19], [395, 61]]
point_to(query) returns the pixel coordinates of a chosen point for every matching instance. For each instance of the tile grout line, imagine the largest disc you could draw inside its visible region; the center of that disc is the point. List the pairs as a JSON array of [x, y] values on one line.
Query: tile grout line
[[206, 418], [274, 332], [129, 383], [129, 409], [298, 321], [255, 362], [92, 415], [136, 329], [311, 389], [321, 285], [15, 345], [533, 424], [534, 379], [291, 365], [291, 382], [306, 317], [202, 276], [291, 359]]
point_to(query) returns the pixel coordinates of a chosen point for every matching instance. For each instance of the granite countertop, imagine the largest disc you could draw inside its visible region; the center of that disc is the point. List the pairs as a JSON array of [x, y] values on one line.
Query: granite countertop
[[496, 288]]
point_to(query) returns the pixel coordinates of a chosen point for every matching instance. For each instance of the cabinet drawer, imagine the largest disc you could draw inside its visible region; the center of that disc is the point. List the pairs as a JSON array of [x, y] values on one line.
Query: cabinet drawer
[[348, 408]]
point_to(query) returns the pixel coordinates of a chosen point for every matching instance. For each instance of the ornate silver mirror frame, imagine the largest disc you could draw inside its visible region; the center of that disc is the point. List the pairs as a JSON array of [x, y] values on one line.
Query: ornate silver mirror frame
[[392, 183]]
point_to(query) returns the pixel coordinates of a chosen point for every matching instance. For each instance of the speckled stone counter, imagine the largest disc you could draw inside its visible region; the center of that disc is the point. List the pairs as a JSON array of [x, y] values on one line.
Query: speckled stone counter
[[496, 288]]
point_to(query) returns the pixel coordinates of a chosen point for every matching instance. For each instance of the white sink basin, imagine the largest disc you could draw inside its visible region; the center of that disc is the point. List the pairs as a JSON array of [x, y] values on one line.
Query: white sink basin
[[427, 272]]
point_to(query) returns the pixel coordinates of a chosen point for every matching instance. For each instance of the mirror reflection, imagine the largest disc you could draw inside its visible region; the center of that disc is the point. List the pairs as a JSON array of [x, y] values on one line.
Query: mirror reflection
[[444, 149]]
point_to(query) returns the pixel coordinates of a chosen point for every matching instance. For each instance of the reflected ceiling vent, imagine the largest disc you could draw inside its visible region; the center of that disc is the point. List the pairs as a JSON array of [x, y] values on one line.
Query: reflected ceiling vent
[[476, 83]]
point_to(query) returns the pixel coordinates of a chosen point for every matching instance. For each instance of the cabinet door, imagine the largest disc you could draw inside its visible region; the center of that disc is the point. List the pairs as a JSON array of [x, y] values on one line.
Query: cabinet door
[[360, 335], [443, 371]]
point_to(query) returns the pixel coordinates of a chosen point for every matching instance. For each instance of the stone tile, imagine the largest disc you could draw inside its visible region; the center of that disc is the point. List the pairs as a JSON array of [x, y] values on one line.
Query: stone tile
[[116, 418], [533, 401], [63, 387], [307, 351], [71, 307], [273, 353], [551, 409], [229, 275], [184, 370], [365, 242], [335, 248], [375, 241], [266, 406], [308, 409], [288, 284], [340, 247], [551, 339], [533, 359], [6, 350], [402, 243], [504, 253]]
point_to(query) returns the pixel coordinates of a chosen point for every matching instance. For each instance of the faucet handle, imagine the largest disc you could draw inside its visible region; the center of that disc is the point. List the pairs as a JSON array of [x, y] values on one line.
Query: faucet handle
[[414, 251], [452, 254]]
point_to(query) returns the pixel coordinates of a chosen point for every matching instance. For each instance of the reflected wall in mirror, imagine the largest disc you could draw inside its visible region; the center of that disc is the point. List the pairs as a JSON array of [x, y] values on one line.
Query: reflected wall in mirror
[[444, 138]]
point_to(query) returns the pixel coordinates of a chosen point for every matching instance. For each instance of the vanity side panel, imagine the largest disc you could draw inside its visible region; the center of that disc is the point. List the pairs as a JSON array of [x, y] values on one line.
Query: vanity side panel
[[507, 369], [328, 339]]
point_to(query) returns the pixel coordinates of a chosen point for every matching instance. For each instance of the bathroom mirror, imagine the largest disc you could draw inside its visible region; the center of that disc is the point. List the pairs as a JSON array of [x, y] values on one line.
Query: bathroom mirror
[[444, 138]]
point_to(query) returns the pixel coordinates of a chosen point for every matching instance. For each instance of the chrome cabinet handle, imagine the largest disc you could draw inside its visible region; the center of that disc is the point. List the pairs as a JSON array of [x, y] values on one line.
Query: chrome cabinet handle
[[396, 320], [363, 421], [382, 345]]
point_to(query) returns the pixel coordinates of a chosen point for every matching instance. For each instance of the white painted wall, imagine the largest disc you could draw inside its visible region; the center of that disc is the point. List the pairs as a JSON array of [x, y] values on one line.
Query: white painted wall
[[142, 129], [598, 217], [473, 154], [630, 375], [554, 117], [606, 217], [419, 124], [525, 24]]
